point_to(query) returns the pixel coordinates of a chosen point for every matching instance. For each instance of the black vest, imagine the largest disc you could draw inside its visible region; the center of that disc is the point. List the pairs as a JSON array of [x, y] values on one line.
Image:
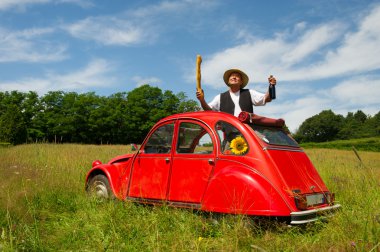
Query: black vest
[[228, 106]]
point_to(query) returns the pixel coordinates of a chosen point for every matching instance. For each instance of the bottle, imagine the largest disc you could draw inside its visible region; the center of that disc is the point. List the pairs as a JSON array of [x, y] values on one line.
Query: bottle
[[272, 88], [272, 91]]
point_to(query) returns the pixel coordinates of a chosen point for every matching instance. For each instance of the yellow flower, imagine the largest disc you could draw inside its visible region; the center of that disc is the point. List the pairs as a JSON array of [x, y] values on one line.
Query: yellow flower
[[239, 146]]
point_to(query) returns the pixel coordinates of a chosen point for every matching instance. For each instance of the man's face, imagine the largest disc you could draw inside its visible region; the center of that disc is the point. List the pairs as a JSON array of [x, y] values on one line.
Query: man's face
[[235, 79]]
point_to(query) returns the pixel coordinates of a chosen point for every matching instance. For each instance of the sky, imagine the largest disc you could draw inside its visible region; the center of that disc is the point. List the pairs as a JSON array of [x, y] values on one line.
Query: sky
[[325, 54]]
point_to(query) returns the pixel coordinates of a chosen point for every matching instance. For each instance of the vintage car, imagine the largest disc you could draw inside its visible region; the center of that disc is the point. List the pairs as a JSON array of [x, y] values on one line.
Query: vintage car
[[216, 162]]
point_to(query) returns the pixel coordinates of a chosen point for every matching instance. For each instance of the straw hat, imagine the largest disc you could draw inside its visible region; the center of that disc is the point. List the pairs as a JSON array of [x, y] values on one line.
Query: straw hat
[[244, 77]]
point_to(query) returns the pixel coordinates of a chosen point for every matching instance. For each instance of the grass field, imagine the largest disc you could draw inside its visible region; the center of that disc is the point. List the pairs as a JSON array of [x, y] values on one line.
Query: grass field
[[362, 144], [43, 207]]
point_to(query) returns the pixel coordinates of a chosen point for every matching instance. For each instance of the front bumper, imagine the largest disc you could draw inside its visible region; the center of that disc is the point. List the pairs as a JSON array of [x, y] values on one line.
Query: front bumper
[[307, 216]]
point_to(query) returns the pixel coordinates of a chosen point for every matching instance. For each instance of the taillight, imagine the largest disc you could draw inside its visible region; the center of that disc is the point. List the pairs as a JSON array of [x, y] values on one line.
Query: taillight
[[301, 202], [330, 198]]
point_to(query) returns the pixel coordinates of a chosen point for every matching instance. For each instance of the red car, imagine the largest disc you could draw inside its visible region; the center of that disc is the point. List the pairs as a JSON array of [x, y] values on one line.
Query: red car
[[216, 162]]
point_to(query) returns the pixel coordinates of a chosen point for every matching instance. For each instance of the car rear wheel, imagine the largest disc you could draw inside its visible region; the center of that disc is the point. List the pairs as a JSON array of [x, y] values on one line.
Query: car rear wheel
[[99, 187]]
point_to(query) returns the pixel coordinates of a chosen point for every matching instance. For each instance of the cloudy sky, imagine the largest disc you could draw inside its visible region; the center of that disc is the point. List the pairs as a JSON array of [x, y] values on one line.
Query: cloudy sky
[[325, 54]]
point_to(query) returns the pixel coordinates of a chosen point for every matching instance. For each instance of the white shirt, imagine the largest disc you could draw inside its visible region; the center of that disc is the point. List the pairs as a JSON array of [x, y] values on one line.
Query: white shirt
[[258, 99]]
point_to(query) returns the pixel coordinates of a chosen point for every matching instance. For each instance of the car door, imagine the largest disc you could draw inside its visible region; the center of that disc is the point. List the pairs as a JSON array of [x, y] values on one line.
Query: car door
[[193, 162], [151, 168]]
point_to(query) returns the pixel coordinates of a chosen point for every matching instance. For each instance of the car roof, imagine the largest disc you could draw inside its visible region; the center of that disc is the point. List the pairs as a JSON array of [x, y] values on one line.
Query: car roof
[[210, 117], [206, 116]]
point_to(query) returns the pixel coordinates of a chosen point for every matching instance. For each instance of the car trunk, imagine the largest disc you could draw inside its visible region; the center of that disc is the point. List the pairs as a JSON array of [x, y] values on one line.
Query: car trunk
[[299, 174]]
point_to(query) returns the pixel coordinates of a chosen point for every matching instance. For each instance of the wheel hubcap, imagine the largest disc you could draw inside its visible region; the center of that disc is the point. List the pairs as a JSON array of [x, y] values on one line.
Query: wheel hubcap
[[100, 190]]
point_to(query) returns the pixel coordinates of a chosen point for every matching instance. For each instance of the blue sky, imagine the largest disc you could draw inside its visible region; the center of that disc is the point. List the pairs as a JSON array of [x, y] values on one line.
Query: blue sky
[[325, 54]]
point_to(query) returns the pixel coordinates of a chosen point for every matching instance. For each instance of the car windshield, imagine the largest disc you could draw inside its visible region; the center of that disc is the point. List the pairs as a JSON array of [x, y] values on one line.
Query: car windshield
[[273, 135]]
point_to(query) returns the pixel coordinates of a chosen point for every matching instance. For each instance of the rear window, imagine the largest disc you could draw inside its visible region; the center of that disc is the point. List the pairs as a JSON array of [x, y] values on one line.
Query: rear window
[[272, 135]]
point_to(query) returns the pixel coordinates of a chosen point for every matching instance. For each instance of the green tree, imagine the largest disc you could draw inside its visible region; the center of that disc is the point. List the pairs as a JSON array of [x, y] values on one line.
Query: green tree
[[66, 127], [372, 125], [31, 108], [146, 105], [12, 122], [356, 125], [86, 118], [144, 108], [14, 117], [12, 126], [81, 112], [320, 128], [360, 117], [349, 127], [49, 119], [116, 121], [186, 105], [100, 124]]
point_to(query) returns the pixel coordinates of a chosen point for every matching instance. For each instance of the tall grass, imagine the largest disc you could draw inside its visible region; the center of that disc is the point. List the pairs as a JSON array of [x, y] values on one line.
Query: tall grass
[[363, 144], [43, 207]]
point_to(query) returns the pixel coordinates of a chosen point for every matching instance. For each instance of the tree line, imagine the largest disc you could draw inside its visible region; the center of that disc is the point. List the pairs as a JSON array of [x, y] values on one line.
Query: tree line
[[327, 126], [68, 117], [126, 117]]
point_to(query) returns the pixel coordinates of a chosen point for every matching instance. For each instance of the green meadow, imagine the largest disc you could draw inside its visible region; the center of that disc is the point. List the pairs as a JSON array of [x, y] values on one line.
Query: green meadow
[[362, 144], [43, 207]]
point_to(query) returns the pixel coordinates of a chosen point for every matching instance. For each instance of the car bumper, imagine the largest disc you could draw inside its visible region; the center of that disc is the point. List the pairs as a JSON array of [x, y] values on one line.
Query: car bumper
[[307, 216]]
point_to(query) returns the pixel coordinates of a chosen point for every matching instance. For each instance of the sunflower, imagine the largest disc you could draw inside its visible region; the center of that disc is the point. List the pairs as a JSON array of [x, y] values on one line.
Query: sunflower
[[239, 146]]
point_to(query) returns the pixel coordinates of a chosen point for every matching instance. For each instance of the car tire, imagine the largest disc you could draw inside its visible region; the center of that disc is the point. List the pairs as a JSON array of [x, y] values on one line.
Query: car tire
[[99, 187]]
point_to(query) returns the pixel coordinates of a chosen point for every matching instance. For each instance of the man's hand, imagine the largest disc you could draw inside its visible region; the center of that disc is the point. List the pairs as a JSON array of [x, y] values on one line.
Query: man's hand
[[200, 95], [272, 80]]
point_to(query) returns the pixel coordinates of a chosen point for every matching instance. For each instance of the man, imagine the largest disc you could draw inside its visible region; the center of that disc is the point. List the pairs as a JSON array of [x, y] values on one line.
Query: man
[[236, 99]]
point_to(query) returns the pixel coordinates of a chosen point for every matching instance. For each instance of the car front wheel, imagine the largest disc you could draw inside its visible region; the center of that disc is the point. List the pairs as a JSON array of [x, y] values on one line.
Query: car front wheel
[[99, 187]]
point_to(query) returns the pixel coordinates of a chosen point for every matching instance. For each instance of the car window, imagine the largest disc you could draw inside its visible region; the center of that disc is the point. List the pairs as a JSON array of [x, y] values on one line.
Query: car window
[[272, 135], [232, 141], [161, 140], [193, 138]]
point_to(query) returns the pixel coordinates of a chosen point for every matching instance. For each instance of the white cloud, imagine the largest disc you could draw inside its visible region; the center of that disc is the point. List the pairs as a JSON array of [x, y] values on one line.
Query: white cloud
[[358, 91], [315, 54], [147, 80], [109, 31], [95, 74], [324, 51], [138, 26], [21, 5], [154, 9], [357, 56], [278, 56], [81, 3], [173, 8], [358, 53], [29, 46], [312, 41], [350, 95], [257, 59]]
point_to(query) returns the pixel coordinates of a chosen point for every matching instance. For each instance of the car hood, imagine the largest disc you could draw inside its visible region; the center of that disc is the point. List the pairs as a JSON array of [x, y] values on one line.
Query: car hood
[[121, 158], [297, 171]]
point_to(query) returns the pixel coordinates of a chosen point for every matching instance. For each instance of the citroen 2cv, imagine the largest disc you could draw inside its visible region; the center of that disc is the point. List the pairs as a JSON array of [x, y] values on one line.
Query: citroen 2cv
[[216, 162]]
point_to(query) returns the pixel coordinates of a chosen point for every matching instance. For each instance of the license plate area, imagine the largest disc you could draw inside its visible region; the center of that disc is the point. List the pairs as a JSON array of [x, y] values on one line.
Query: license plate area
[[315, 199]]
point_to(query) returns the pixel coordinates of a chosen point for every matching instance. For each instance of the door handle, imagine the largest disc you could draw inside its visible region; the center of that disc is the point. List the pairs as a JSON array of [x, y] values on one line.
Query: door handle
[[211, 161], [167, 160]]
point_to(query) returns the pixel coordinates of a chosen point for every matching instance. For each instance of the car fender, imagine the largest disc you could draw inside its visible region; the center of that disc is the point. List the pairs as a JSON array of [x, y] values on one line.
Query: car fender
[[114, 177], [239, 189]]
